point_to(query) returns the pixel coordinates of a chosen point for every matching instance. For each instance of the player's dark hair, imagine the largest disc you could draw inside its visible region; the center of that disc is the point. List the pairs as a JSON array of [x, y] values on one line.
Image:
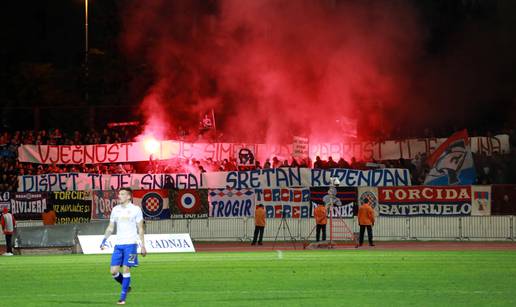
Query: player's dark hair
[[365, 200], [129, 190]]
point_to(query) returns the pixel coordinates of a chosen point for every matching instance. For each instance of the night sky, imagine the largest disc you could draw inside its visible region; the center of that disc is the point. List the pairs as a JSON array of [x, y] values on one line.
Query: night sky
[[473, 43]]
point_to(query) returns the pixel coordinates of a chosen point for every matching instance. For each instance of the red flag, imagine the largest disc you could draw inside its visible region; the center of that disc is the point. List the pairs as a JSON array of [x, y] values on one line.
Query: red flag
[[296, 212], [278, 211], [207, 120]]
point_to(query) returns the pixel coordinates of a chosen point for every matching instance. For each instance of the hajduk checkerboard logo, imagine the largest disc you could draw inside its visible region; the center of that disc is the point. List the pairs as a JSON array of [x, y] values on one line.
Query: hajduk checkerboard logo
[[154, 203], [370, 197]]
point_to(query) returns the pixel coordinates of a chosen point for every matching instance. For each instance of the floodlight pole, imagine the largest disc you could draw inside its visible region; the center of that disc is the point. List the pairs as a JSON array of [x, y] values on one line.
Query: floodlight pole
[[86, 49]]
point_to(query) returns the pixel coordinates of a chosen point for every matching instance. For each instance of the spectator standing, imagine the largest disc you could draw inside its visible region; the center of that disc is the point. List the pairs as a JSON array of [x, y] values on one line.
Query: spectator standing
[[8, 224], [331, 163], [276, 162], [49, 217], [259, 224], [343, 163], [321, 219], [318, 164], [365, 221]]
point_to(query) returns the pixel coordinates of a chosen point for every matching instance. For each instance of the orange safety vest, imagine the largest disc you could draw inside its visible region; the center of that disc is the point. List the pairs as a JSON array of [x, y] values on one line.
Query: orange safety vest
[[49, 218], [321, 215], [259, 217], [365, 215]]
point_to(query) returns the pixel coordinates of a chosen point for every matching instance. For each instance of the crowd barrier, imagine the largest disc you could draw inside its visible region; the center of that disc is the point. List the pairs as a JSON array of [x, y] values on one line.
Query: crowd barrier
[[413, 228], [474, 228]]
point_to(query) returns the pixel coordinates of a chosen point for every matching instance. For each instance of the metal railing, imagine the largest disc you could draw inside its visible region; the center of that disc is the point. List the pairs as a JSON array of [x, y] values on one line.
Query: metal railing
[[386, 228], [407, 228]]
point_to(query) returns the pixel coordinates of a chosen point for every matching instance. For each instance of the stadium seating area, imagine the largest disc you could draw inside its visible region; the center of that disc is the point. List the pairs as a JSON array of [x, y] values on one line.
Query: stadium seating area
[[496, 169]]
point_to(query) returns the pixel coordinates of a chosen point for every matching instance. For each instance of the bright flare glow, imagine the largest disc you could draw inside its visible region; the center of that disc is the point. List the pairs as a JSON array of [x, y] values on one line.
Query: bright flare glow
[[151, 145]]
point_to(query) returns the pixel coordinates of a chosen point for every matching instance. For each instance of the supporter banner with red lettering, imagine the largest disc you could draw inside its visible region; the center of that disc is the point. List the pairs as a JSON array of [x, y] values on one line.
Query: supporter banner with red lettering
[[420, 200], [407, 149], [288, 203], [80, 154], [134, 152], [102, 204], [425, 200]]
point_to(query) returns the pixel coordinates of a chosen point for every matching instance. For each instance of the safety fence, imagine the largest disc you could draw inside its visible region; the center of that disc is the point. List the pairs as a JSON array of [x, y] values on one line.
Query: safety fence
[[413, 228], [241, 229]]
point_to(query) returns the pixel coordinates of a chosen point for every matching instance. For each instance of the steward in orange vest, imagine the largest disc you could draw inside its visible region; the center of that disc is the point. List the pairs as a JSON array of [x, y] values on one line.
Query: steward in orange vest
[[321, 219], [49, 217], [259, 224], [365, 221]]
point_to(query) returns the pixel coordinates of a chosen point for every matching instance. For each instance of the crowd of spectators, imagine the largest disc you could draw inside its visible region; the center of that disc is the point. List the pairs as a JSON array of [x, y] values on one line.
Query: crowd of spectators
[[58, 137], [498, 168], [399, 132]]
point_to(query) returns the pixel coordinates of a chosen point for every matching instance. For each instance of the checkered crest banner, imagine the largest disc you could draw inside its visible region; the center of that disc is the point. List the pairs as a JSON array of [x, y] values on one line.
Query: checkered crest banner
[[154, 203]]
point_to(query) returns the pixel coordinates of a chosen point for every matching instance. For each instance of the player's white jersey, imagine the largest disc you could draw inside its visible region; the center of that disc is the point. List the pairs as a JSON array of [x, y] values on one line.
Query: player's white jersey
[[126, 219]]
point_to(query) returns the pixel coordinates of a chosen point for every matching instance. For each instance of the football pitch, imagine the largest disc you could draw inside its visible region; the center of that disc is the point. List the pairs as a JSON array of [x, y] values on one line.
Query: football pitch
[[269, 278]]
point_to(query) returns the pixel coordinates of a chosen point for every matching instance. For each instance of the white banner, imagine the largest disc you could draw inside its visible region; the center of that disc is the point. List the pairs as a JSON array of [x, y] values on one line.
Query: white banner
[[306, 177], [98, 182], [300, 147], [481, 200], [133, 152], [231, 202], [136, 151], [157, 243], [266, 178]]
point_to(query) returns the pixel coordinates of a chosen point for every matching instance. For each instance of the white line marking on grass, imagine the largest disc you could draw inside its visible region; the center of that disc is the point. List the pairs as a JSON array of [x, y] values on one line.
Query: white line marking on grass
[[280, 254]]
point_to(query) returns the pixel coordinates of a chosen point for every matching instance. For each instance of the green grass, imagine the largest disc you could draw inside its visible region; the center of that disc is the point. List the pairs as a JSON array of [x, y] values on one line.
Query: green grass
[[289, 278]]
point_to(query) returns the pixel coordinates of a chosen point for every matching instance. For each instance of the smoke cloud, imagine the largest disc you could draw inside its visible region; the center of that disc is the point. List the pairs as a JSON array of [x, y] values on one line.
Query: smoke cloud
[[272, 69]]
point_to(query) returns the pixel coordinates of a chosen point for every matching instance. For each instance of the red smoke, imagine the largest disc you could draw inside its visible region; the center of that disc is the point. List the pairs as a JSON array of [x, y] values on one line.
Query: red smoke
[[272, 69]]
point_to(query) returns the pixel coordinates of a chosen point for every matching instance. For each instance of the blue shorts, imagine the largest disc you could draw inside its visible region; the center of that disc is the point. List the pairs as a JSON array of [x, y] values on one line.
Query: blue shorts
[[125, 254]]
